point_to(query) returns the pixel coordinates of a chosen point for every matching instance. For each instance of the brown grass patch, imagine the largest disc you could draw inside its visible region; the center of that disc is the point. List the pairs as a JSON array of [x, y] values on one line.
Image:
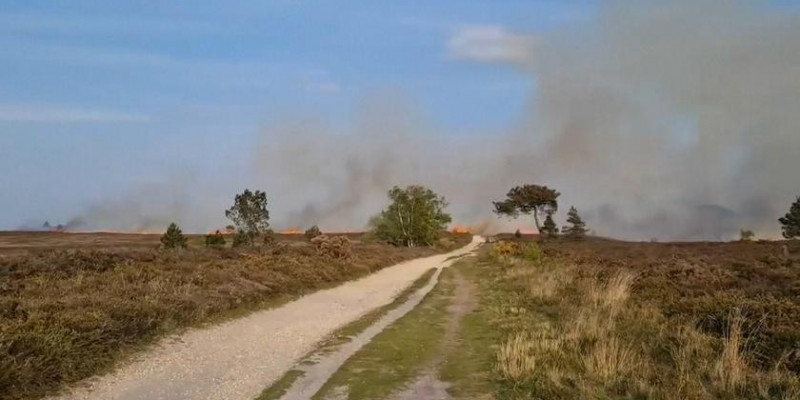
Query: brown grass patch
[[606, 319], [68, 314]]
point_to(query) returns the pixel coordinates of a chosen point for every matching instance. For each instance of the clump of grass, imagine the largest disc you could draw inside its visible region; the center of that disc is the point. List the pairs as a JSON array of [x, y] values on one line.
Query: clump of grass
[[516, 357], [611, 358], [730, 368]]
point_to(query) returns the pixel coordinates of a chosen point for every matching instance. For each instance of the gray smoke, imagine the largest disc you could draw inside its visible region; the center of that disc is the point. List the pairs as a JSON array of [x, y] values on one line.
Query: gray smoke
[[669, 120]]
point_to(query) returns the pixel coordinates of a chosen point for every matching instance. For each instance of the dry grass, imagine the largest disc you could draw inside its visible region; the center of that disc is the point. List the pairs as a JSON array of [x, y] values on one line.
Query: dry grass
[[610, 359], [517, 357], [730, 369], [66, 314], [608, 333]]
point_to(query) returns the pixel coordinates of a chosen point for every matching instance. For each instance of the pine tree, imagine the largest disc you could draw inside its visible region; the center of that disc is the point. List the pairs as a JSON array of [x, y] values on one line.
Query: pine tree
[[578, 228], [549, 227], [173, 238], [791, 221]]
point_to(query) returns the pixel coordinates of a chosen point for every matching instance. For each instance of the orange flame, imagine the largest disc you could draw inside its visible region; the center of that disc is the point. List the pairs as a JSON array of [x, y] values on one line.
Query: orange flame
[[460, 229], [291, 231]]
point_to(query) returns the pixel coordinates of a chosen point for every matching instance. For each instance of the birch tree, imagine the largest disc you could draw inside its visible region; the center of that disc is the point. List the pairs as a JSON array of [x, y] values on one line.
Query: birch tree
[[414, 218]]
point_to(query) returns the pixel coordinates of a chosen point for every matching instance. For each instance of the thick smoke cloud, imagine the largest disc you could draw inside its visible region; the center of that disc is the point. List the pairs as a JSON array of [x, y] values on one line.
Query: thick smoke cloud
[[677, 116], [668, 120], [660, 120]]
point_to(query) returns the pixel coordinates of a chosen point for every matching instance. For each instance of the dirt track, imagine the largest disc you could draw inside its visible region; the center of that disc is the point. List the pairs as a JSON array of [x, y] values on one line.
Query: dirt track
[[237, 359]]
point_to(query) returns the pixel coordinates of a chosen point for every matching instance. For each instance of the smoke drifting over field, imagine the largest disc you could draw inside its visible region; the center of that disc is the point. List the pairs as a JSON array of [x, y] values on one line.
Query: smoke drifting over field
[[670, 120], [675, 121]]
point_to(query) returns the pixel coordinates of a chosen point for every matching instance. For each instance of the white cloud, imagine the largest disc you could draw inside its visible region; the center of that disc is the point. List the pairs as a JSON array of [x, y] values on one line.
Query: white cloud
[[488, 43], [55, 114], [319, 80]]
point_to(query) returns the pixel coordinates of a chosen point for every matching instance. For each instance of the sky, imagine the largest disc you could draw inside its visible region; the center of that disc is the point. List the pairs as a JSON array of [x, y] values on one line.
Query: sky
[[96, 96], [128, 114]]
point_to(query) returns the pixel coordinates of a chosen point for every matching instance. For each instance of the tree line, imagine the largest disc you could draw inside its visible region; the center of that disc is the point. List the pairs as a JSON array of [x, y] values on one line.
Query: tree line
[[415, 217]]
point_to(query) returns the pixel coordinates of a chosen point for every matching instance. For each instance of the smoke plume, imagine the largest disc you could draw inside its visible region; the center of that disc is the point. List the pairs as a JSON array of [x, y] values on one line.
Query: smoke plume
[[668, 120]]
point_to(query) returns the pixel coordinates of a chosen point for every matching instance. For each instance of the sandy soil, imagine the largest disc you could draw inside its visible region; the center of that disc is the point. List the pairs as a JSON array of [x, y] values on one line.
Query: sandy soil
[[239, 358]]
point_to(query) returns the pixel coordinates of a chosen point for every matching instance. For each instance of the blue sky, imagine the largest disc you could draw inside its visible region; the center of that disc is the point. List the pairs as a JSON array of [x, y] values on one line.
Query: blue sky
[[97, 96]]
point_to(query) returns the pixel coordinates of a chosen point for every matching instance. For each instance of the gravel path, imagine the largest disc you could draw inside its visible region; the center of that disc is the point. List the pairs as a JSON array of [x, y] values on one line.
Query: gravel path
[[239, 358]]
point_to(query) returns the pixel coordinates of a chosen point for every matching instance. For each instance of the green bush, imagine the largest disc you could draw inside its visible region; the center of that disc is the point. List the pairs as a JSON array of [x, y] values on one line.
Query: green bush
[[532, 253], [215, 239]]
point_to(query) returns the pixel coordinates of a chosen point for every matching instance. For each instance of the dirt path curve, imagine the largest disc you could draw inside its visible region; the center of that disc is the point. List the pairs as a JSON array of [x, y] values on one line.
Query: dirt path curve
[[427, 385], [237, 359]]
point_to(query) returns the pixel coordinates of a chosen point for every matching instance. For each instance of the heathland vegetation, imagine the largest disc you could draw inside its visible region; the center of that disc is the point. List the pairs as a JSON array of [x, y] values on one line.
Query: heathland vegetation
[[69, 313], [559, 315], [607, 319], [599, 319]]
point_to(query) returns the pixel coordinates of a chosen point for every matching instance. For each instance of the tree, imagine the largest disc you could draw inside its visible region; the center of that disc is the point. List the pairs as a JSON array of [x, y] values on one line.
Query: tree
[[578, 228], [173, 238], [313, 232], [746, 235], [528, 199], [549, 228], [517, 234], [415, 217], [791, 221], [249, 214], [215, 239]]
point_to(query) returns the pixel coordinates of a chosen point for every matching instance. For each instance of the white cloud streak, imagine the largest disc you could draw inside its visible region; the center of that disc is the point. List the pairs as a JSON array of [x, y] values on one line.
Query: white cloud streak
[[487, 43], [58, 114]]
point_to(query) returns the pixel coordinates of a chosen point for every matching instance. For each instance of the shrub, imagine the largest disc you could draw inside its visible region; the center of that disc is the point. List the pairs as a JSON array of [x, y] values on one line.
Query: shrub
[[333, 246], [268, 237], [313, 232], [242, 239], [746, 235], [531, 252], [505, 249], [517, 234], [215, 239], [173, 238]]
